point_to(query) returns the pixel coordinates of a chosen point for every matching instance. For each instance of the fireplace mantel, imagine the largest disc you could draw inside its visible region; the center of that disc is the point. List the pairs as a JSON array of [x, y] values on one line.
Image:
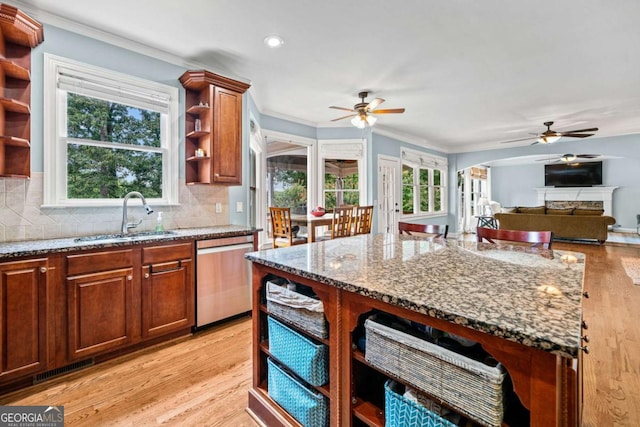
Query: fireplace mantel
[[603, 194]]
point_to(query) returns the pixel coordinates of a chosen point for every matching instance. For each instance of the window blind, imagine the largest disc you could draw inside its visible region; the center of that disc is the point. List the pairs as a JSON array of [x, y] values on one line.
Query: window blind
[[109, 89]]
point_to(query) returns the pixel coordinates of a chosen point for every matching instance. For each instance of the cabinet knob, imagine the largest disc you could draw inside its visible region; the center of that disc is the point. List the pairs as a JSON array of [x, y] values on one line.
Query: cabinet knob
[[585, 349], [146, 275], [129, 277], [586, 338], [585, 294], [43, 269], [585, 325]]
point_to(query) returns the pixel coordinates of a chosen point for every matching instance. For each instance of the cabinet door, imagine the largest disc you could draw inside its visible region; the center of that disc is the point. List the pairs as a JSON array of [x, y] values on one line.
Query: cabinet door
[[100, 312], [23, 333], [167, 297], [227, 136]]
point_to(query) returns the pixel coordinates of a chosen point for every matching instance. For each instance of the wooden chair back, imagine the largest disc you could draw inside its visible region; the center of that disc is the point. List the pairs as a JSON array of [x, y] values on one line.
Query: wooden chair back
[[342, 222], [411, 228], [281, 228], [363, 219], [536, 238]]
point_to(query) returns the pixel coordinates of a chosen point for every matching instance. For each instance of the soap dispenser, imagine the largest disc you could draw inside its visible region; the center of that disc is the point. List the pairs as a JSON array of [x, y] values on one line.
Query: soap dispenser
[[159, 225]]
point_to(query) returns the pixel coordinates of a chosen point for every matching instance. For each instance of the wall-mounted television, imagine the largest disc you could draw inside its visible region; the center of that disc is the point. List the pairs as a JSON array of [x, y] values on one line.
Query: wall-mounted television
[[583, 174]]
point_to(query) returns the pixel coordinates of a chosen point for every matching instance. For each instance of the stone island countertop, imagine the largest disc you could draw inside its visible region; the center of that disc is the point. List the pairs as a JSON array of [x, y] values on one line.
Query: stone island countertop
[[522, 294], [11, 250]]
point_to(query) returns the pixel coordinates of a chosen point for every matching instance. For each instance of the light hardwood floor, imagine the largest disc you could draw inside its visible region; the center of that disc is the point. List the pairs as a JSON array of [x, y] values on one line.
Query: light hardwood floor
[[203, 380]]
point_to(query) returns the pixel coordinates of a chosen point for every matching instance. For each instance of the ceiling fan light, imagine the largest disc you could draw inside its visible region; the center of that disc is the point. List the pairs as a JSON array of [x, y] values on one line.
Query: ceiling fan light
[[363, 120], [568, 157], [358, 122], [549, 139]]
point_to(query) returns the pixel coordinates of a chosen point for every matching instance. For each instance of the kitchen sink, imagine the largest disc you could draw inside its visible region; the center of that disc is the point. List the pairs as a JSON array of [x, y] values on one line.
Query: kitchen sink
[[123, 237]]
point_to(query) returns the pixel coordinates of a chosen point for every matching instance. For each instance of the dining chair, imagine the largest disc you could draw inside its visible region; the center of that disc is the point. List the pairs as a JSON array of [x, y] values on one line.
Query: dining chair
[[342, 222], [411, 228], [536, 238], [281, 228], [362, 220]]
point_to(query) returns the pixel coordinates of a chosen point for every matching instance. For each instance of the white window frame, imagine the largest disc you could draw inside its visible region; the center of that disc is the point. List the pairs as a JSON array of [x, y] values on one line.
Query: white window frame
[[344, 149], [122, 88], [418, 160]]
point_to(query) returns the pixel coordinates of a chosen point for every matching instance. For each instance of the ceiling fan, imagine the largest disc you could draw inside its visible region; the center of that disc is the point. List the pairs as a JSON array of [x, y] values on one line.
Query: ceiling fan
[[569, 158], [550, 136], [362, 113]]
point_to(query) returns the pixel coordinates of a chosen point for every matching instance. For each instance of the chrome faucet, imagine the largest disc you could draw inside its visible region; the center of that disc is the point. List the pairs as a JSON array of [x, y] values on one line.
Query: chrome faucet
[[125, 224]]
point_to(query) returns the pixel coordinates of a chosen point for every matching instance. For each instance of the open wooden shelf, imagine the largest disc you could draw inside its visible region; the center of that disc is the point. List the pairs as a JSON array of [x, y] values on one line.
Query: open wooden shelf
[[14, 141], [197, 134], [197, 158], [15, 106], [13, 70], [197, 109], [368, 413]]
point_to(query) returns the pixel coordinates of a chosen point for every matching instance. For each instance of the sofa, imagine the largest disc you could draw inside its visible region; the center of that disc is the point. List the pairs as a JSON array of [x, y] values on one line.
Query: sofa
[[567, 223]]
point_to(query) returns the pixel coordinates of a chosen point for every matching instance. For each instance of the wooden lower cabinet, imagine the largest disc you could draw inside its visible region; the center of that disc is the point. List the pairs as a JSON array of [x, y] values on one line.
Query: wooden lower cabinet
[[102, 302], [23, 314], [168, 289]]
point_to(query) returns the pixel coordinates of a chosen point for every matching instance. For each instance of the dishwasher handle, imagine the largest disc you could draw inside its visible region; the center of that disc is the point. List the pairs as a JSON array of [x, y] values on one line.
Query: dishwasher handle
[[218, 249]]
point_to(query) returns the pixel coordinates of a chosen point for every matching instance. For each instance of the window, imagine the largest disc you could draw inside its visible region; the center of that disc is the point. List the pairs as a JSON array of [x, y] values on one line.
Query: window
[[107, 134], [423, 184]]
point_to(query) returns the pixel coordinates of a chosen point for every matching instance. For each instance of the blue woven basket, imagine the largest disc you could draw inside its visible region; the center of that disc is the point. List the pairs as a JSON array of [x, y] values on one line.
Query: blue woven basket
[[308, 360], [306, 406], [402, 412]]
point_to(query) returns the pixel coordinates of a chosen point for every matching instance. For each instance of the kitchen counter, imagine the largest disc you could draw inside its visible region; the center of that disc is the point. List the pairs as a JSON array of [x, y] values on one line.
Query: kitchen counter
[[521, 294], [12, 250], [523, 305]]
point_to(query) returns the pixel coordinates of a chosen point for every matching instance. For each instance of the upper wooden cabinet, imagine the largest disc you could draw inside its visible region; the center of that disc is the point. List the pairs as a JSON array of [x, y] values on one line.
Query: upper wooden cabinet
[[213, 125], [18, 35]]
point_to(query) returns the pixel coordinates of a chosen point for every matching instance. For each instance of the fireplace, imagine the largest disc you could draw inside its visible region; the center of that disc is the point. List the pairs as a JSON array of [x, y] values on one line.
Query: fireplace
[[578, 197]]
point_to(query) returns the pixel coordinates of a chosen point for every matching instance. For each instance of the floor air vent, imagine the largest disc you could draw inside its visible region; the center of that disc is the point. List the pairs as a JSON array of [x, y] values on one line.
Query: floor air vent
[[59, 371]]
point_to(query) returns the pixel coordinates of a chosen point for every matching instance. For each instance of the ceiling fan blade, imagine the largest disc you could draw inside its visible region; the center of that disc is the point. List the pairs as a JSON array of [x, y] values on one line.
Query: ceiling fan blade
[[344, 117], [343, 108], [373, 104], [389, 111], [588, 156], [577, 135], [580, 131]]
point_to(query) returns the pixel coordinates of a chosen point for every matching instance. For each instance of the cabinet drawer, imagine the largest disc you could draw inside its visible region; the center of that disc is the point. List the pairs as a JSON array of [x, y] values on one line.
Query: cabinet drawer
[[157, 254], [100, 261]]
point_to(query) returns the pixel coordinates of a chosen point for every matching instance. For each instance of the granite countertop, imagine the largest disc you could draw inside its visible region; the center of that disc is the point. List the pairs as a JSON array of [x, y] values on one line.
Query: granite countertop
[[526, 295], [43, 247]]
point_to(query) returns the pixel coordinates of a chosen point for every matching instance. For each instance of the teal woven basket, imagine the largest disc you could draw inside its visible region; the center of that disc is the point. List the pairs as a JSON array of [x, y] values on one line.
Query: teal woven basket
[[308, 407], [308, 360], [402, 412]]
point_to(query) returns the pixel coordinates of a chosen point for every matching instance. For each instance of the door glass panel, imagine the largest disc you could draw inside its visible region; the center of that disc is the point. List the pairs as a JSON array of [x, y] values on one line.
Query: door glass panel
[[341, 183]]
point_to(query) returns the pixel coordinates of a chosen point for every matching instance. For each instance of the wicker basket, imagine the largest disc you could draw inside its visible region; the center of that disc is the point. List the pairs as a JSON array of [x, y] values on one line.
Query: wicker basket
[[297, 309], [473, 388], [308, 407], [310, 361], [402, 412]]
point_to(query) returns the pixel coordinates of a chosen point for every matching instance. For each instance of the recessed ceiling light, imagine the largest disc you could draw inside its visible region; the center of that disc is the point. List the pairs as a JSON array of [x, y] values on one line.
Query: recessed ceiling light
[[273, 41]]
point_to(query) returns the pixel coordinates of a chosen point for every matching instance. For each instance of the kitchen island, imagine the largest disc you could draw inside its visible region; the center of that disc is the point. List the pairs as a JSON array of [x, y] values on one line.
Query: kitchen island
[[523, 305]]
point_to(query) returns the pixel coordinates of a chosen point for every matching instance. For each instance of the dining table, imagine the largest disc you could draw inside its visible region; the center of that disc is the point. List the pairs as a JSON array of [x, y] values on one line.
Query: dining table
[[312, 222]]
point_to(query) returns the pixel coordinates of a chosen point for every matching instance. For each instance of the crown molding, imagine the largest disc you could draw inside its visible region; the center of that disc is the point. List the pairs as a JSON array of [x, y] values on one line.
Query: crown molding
[[411, 139]]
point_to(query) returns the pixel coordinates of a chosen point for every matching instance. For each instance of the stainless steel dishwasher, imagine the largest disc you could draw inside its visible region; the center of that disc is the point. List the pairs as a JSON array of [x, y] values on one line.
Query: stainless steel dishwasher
[[223, 279]]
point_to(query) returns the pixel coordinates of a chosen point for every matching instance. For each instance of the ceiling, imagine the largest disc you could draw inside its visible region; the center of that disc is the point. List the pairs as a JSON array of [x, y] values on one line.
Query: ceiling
[[469, 73]]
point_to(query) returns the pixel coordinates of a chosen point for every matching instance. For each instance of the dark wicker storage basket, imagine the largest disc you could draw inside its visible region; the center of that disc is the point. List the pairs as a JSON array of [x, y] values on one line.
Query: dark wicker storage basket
[[300, 310], [473, 388]]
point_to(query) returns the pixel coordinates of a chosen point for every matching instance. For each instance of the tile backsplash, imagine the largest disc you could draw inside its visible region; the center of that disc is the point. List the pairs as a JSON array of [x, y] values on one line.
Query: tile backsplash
[[23, 218]]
